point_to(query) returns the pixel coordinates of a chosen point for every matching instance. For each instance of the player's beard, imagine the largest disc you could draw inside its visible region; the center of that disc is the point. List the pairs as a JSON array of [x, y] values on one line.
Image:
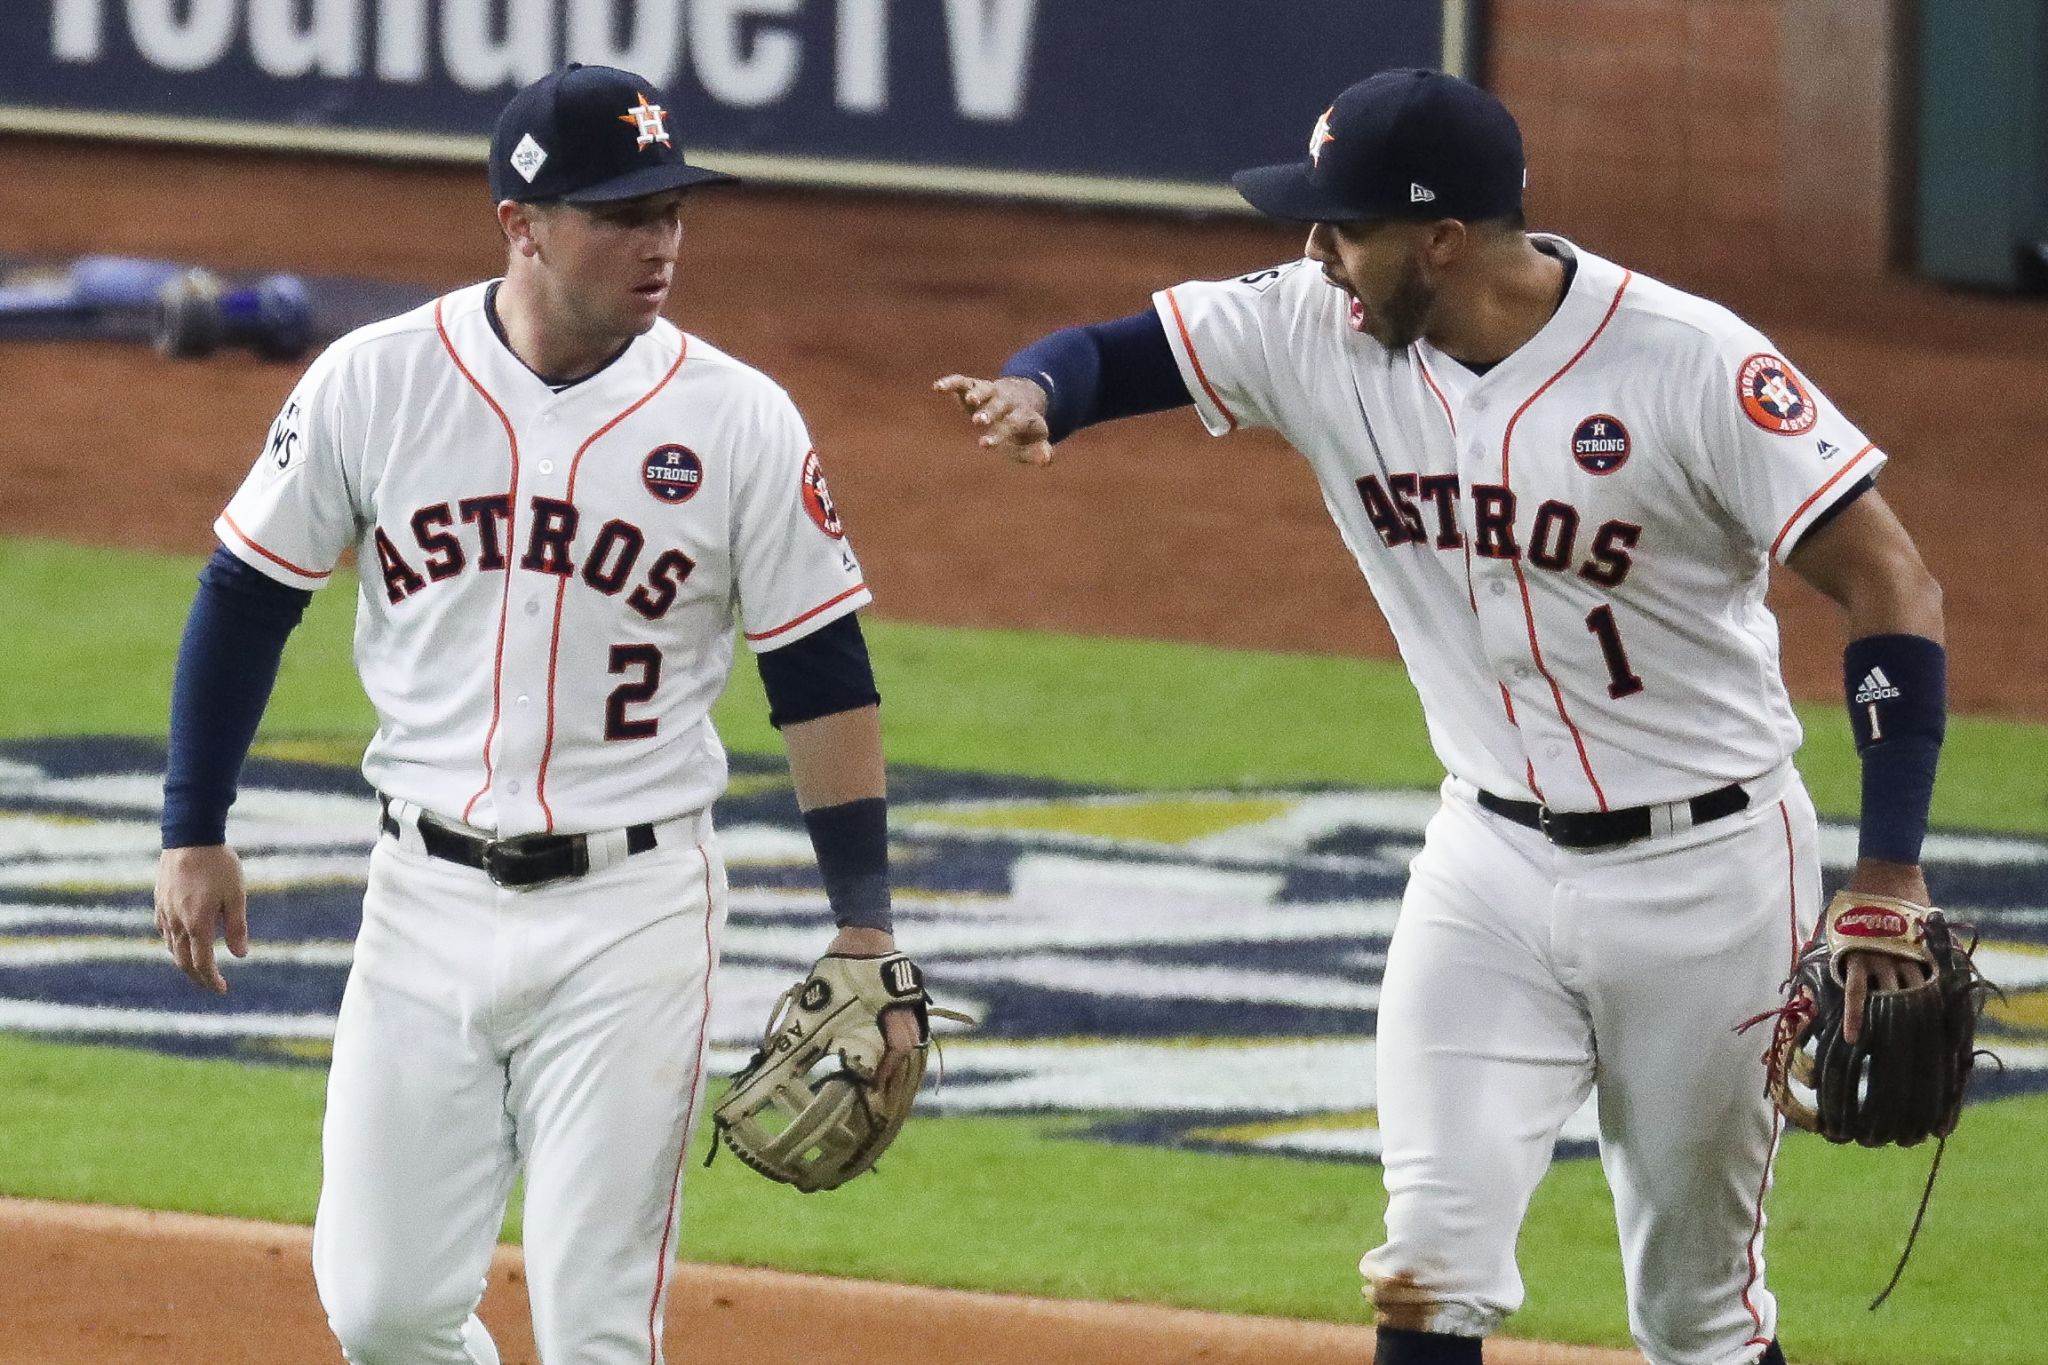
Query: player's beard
[[1399, 324]]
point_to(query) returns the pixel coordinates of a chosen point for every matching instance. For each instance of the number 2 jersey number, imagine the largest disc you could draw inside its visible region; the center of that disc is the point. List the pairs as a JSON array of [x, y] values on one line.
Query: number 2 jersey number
[[643, 662]]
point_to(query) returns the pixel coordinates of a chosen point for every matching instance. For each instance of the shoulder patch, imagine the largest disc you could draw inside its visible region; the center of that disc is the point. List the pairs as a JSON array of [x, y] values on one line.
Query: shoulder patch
[[1774, 397], [282, 446], [818, 501]]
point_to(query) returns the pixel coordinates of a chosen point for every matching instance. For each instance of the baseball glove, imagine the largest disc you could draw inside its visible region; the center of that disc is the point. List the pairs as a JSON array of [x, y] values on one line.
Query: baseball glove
[[1902, 1080], [818, 1131]]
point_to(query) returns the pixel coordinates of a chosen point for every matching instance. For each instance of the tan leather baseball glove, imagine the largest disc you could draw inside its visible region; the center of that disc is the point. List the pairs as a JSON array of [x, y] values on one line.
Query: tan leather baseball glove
[[808, 1109]]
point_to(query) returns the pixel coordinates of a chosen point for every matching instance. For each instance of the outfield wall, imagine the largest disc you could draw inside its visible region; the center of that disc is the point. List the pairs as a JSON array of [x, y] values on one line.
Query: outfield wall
[[1134, 102]]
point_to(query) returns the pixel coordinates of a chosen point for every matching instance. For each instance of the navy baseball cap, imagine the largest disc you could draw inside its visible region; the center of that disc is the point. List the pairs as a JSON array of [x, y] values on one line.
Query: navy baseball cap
[[589, 135], [1402, 144]]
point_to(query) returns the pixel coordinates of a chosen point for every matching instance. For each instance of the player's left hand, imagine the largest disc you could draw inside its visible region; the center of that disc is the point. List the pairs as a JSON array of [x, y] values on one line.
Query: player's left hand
[[1864, 974], [1008, 413], [899, 1026]]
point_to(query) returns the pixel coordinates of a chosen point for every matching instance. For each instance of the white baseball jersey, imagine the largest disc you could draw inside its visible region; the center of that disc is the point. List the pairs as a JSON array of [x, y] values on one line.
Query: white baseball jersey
[[1572, 549], [550, 581]]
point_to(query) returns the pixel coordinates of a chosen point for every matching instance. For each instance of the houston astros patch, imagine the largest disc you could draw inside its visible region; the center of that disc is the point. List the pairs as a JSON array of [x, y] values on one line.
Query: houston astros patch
[[672, 473], [1773, 396], [1600, 444], [817, 501]]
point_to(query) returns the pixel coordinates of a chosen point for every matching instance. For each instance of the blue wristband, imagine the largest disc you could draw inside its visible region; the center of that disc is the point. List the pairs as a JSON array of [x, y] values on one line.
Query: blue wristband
[[1897, 686], [852, 844]]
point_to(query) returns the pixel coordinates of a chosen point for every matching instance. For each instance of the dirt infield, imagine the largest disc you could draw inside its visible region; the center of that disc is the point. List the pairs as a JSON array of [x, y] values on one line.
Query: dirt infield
[[855, 303], [93, 1286]]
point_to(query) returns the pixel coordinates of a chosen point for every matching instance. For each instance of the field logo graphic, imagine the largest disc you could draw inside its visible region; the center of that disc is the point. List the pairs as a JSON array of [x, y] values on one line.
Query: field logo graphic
[[1192, 969]]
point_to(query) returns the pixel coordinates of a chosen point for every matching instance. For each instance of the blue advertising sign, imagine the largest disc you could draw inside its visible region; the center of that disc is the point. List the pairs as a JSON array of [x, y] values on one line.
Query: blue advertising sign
[[1143, 90]]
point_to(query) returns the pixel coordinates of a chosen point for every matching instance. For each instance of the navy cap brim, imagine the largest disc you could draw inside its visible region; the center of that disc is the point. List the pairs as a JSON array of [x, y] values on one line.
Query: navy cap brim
[[652, 180], [1289, 192]]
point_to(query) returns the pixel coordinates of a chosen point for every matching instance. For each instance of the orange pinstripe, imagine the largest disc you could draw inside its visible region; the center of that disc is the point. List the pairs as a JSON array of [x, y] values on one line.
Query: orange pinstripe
[[1834, 479], [822, 606], [511, 539], [540, 783], [1196, 361], [276, 559], [1528, 608]]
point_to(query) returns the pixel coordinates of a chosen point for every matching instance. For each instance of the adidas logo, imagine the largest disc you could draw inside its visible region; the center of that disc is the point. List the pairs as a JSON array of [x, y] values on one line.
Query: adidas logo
[[1418, 194], [1875, 687]]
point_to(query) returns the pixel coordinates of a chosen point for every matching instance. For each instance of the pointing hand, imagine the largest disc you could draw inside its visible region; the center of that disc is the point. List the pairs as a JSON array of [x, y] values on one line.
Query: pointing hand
[[1007, 413]]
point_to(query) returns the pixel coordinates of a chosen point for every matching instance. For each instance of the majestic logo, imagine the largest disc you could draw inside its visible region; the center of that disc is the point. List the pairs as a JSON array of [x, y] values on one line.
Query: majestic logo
[[1321, 136], [1875, 687], [652, 122], [818, 501], [1773, 397], [1871, 921], [1600, 444], [1420, 194], [815, 995], [528, 157], [672, 473]]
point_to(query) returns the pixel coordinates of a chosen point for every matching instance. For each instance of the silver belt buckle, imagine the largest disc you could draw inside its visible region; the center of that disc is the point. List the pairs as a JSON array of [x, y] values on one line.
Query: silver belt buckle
[[494, 864], [1543, 823]]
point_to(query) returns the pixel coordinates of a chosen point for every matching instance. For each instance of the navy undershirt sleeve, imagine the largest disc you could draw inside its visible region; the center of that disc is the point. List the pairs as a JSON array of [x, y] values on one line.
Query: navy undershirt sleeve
[[1102, 371], [822, 674], [227, 664]]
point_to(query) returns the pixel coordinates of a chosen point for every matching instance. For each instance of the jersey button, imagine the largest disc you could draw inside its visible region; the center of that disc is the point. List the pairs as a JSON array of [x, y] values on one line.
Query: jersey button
[[1521, 675], [1500, 590], [547, 466], [524, 699], [512, 788], [533, 606]]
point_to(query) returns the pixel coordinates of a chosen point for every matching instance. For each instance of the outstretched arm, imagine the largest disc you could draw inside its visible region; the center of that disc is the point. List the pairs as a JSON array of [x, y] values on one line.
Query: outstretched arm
[[1896, 678], [1075, 377]]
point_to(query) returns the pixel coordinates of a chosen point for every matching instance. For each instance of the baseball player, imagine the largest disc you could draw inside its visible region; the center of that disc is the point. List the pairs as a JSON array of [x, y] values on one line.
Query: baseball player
[[560, 506], [1565, 484]]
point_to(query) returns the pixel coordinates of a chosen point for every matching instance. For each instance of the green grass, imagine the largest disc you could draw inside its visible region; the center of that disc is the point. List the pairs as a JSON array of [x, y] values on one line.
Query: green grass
[[1250, 1234], [92, 633], [1122, 713]]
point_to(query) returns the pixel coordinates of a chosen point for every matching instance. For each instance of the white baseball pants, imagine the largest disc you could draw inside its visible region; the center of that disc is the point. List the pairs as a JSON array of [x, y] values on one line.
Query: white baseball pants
[[560, 1028], [1520, 978]]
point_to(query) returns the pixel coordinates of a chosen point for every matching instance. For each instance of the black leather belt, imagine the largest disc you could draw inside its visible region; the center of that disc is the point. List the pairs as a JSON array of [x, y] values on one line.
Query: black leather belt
[[526, 860], [1605, 828]]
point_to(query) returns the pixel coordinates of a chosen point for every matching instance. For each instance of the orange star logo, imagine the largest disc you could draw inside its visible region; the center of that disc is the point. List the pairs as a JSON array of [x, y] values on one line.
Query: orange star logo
[[650, 120], [1321, 135]]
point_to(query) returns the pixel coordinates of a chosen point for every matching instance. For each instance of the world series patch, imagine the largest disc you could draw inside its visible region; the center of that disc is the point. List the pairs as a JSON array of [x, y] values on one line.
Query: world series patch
[[1773, 396], [672, 473], [1600, 444]]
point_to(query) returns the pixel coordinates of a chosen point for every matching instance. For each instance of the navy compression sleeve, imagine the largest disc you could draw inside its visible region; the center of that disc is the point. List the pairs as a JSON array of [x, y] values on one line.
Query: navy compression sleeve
[[822, 674], [227, 664], [1102, 371]]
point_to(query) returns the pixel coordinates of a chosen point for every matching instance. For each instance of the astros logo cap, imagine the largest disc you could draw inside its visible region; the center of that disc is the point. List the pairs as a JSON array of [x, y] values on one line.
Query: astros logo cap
[[1405, 143], [590, 134]]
